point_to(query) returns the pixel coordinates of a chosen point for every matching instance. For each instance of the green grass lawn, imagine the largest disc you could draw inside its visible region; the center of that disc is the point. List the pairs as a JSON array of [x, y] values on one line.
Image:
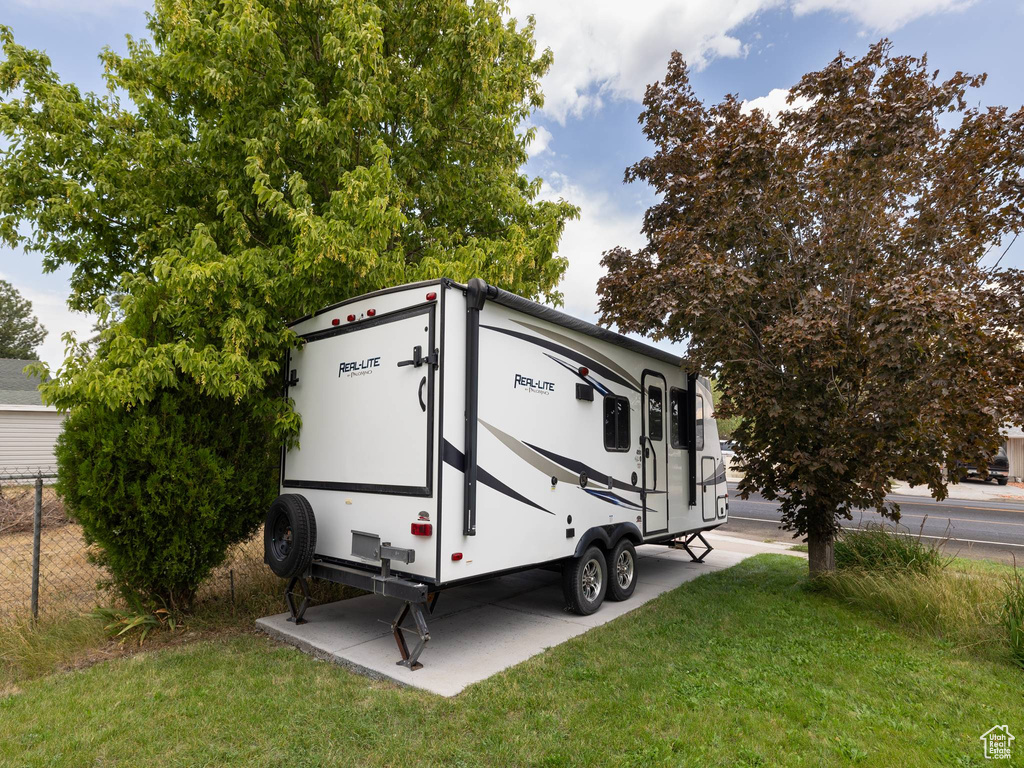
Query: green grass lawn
[[743, 667]]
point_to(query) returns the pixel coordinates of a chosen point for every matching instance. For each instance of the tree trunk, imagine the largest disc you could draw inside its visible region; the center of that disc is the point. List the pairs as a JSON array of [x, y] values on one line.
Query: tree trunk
[[821, 552]]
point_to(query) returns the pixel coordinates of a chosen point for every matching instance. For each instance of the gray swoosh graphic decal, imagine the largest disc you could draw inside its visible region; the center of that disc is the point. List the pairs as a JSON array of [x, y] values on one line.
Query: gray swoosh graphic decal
[[579, 346], [530, 456]]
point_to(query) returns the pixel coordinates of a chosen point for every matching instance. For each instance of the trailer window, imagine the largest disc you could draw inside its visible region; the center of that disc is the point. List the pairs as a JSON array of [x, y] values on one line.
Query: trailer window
[[616, 423], [698, 441], [655, 414], [676, 423]]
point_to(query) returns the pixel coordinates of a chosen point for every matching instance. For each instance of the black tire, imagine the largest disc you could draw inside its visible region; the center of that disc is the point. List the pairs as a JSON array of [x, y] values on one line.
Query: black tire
[[583, 592], [289, 536], [1003, 480], [622, 571]]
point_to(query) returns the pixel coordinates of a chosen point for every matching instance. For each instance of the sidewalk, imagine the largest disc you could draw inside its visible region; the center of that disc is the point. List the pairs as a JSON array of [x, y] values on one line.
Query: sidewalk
[[972, 490], [968, 490]]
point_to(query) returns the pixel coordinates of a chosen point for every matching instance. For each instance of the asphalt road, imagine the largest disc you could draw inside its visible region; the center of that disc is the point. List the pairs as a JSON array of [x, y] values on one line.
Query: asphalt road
[[980, 529]]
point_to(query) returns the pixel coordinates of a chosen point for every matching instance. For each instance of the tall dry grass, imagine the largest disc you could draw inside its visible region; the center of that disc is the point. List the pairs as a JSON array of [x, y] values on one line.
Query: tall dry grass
[[911, 583]]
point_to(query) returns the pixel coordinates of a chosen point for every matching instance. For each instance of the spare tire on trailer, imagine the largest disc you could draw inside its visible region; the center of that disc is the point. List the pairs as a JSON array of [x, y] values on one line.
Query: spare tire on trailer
[[289, 536]]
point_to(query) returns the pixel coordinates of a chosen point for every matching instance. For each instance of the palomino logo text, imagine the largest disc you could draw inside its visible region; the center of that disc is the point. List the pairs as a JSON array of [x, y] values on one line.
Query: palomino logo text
[[533, 386], [359, 368]]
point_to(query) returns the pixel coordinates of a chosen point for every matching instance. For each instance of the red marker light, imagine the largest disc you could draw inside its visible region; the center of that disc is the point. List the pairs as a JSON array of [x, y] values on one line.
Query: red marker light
[[456, 556], [371, 312], [351, 318], [584, 371], [431, 296], [422, 529], [336, 321]]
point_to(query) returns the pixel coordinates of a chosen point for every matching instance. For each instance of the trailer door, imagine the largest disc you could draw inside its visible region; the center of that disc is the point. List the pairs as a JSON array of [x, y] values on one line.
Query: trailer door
[[365, 392], [655, 456]]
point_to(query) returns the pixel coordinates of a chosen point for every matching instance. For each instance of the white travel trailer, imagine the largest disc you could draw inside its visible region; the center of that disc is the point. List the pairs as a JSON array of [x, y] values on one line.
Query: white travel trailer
[[452, 433]]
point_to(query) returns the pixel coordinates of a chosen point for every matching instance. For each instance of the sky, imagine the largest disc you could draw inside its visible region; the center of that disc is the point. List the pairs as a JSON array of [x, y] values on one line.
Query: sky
[[605, 53]]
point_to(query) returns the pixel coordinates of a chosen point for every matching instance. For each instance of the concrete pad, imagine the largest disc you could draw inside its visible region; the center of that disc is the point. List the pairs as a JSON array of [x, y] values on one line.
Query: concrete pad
[[464, 648], [481, 629]]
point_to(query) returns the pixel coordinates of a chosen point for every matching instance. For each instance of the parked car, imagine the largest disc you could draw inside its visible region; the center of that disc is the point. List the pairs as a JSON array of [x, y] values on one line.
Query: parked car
[[998, 468]]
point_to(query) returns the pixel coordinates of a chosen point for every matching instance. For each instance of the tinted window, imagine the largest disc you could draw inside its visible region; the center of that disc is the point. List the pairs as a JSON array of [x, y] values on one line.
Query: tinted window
[[676, 424], [698, 441], [616, 423], [655, 414]]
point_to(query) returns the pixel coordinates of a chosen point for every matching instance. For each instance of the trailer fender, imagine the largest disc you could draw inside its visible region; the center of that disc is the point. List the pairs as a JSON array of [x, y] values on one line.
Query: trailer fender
[[607, 536]]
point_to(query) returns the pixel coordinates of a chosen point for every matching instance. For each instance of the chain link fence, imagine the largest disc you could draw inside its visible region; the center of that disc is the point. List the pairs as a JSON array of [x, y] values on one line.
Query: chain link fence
[[45, 568]]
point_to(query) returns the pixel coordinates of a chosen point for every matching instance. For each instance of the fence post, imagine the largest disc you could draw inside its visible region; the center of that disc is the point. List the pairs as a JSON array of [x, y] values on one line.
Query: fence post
[[37, 524]]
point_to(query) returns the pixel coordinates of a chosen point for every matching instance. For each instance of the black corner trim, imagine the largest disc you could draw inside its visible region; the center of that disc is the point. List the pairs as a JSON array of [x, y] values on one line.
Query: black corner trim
[[476, 294], [691, 434]]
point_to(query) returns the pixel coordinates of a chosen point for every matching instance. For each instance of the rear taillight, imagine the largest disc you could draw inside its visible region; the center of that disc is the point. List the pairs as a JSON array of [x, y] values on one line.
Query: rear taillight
[[456, 556], [431, 296], [422, 529]]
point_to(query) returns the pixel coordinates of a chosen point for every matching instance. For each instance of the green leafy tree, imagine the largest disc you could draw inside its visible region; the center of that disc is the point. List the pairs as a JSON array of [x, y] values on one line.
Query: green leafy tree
[[255, 160], [20, 331], [826, 265]]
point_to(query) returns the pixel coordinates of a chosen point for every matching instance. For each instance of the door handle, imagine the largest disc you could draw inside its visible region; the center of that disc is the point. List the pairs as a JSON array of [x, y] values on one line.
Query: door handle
[[423, 405], [417, 358]]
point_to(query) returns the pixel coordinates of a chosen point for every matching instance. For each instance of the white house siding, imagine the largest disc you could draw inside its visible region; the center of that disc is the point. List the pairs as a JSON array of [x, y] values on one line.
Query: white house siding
[[27, 437], [1015, 451]]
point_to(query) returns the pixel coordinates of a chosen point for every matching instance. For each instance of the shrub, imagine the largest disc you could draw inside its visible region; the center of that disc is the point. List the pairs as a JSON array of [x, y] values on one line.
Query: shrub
[[876, 547], [1013, 616], [165, 488]]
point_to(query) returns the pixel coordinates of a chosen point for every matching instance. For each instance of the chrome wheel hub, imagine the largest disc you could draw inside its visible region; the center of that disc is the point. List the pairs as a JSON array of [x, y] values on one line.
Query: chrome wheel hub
[[624, 569], [591, 580]]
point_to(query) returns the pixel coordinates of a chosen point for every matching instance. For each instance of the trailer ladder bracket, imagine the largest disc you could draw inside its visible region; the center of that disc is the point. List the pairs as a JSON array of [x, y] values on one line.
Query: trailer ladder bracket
[[409, 658], [686, 542]]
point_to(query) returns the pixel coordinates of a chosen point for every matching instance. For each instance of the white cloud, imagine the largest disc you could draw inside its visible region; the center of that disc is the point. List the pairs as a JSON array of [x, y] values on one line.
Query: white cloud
[[603, 224], [541, 141], [881, 15], [609, 49], [774, 102], [51, 307]]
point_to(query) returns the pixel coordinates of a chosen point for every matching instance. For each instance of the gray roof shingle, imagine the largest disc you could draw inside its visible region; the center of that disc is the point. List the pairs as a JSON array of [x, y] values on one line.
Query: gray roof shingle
[[15, 387]]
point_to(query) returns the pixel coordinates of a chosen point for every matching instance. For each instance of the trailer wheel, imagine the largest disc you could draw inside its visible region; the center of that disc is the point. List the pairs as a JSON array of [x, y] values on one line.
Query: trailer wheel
[[622, 570], [584, 582], [289, 536]]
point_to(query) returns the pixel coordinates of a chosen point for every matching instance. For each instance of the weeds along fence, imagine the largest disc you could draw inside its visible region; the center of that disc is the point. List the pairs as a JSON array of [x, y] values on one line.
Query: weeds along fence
[[45, 567]]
